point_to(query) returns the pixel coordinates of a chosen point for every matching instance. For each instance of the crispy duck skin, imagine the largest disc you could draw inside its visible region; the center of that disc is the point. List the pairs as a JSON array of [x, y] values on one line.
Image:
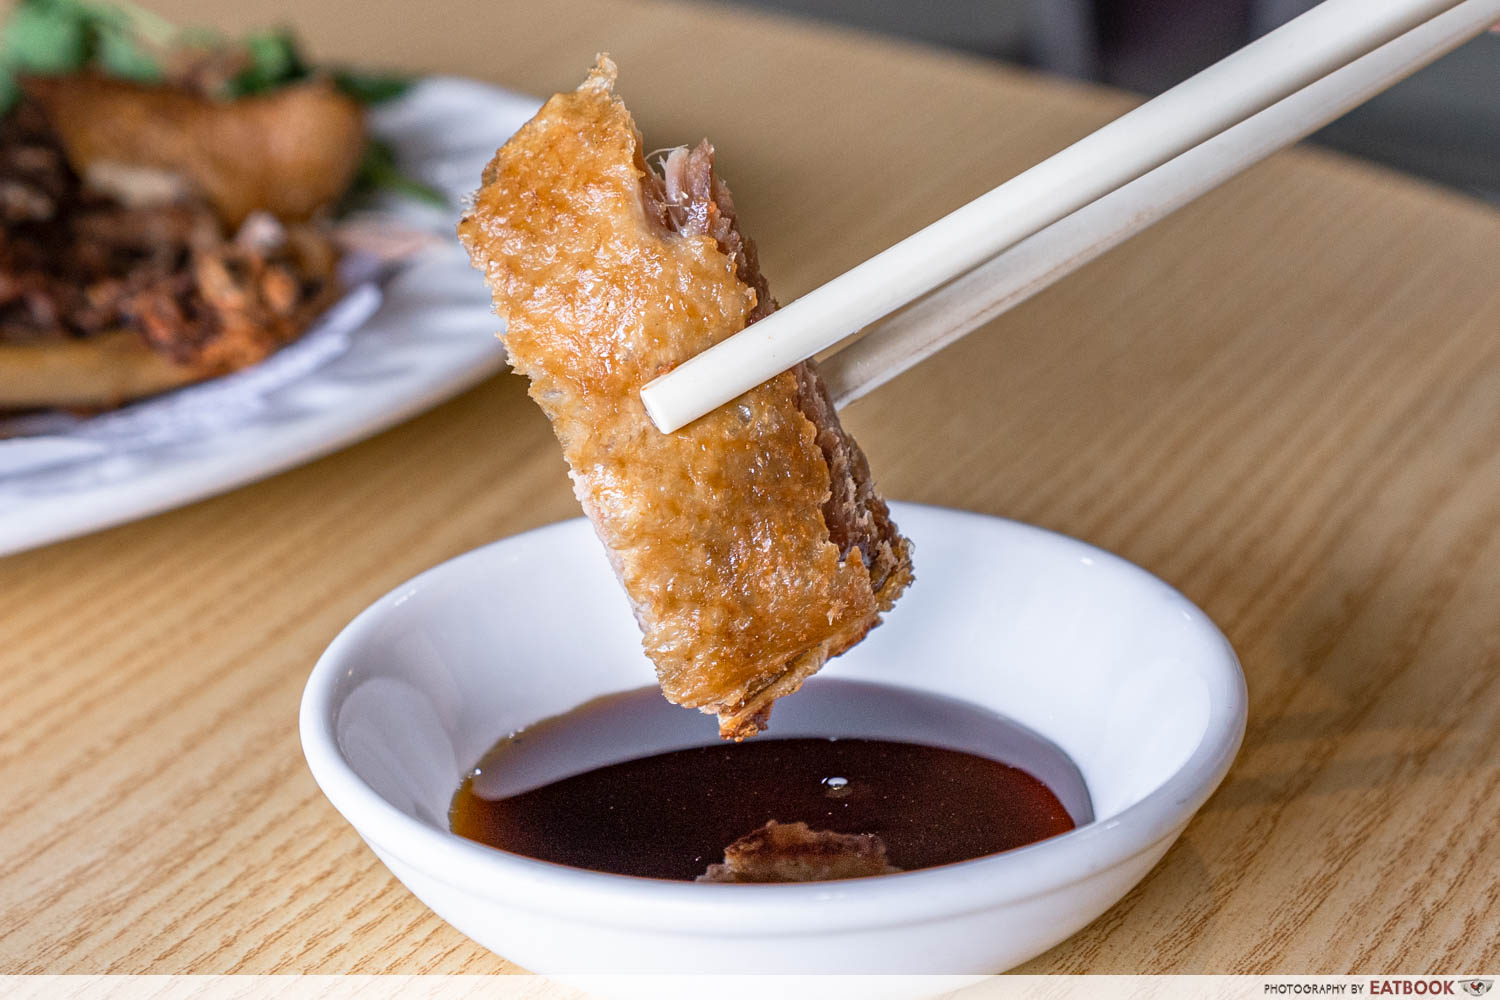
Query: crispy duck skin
[[291, 152], [751, 543]]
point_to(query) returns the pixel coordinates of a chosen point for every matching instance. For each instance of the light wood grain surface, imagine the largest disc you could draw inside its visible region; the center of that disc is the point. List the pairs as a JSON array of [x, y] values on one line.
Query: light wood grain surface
[[1285, 401]]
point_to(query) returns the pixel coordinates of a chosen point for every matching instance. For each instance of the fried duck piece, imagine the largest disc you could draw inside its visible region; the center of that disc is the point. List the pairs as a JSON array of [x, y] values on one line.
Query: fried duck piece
[[793, 852], [751, 543], [291, 152], [103, 302]]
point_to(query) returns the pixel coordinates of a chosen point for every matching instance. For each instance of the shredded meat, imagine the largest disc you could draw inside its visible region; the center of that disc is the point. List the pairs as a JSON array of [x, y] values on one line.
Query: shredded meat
[[752, 543], [75, 264], [689, 199], [792, 852]]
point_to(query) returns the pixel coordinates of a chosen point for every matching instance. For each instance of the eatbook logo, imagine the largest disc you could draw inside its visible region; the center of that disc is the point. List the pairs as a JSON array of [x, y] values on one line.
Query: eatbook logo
[[1476, 987]]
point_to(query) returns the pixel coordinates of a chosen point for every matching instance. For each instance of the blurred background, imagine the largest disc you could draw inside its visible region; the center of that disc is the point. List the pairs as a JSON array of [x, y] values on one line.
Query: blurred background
[[1442, 124]]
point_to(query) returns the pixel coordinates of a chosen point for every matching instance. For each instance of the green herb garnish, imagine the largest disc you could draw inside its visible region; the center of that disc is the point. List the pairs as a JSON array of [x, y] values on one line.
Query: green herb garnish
[[49, 37], [378, 172], [371, 88], [274, 62], [120, 53]]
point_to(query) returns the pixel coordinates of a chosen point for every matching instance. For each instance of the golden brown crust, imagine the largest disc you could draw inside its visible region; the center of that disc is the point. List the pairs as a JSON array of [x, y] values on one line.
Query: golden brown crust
[[290, 152], [793, 852], [718, 531]]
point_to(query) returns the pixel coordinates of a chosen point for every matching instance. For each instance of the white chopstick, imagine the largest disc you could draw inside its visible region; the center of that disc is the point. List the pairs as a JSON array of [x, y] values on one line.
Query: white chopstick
[[1329, 36], [897, 342]]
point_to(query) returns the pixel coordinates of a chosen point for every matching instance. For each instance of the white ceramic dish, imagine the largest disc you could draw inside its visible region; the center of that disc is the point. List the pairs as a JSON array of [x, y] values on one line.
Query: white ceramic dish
[[1097, 656], [431, 337]]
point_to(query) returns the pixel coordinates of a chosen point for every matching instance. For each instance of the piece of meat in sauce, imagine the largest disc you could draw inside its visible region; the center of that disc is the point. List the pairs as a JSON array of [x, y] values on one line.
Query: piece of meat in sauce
[[794, 852]]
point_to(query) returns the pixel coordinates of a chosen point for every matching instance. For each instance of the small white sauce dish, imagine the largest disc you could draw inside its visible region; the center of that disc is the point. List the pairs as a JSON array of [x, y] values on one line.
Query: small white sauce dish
[[1106, 662]]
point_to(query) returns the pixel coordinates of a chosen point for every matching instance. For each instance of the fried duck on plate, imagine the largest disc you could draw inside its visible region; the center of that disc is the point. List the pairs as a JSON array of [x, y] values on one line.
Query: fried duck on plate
[[165, 201], [751, 543]]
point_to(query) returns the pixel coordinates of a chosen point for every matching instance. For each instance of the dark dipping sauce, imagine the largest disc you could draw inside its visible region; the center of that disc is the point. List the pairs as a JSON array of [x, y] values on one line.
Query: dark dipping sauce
[[671, 815]]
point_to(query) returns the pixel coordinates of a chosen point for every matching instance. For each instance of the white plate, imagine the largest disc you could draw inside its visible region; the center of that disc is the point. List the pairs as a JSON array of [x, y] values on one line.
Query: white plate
[[383, 356]]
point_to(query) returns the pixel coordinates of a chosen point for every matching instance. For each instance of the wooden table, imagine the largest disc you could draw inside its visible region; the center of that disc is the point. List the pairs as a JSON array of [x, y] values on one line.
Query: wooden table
[[1285, 401]]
